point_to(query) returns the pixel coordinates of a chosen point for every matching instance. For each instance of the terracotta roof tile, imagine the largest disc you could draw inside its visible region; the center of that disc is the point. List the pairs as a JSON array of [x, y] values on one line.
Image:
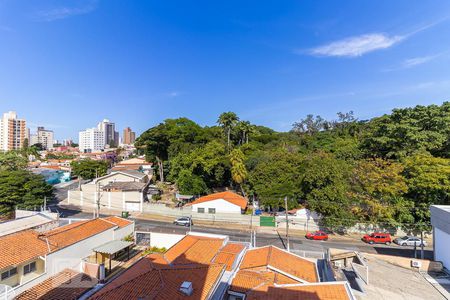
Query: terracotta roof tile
[[164, 284], [324, 291], [228, 254], [121, 222], [66, 285], [285, 262], [194, 249], [20, 247], [227, 196]]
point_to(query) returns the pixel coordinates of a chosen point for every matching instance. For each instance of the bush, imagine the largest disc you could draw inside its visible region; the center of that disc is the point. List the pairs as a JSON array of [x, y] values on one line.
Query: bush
[[156, 197], [154, 250]]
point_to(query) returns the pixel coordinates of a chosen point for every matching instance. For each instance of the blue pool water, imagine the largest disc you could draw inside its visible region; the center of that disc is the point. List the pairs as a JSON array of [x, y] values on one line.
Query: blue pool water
[[54, 176]]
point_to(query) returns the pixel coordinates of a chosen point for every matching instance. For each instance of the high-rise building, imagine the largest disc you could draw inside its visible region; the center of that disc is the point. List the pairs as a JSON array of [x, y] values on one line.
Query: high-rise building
[[109, 129], [91, 140], [44, 137], [129, 136], [13, 132]]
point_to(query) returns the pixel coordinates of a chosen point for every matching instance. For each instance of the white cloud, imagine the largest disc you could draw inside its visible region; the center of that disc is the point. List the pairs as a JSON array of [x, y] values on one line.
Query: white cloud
[[357, 45], [65, 12], [412, 62]]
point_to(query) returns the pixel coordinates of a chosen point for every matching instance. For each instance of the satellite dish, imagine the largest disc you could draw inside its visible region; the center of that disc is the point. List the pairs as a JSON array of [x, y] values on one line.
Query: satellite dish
[[6, 292]]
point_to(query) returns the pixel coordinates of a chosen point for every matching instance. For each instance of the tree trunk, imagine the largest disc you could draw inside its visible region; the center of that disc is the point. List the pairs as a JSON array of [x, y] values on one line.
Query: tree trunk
[[161, 169], [229, 133]]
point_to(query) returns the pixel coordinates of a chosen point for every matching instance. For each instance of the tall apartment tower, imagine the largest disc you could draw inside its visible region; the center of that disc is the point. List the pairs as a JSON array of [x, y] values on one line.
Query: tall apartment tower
[[109, 129], [45, 137], [129, 136], [91, 140], [13, 132]]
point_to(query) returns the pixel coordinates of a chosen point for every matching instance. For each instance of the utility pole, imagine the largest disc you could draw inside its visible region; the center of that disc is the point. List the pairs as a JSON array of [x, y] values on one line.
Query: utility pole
[[421, 244], [287, 223], [45, 203]]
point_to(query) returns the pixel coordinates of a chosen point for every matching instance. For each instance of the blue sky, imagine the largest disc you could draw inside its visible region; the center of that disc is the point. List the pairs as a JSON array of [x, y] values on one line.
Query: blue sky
[[68, 64]]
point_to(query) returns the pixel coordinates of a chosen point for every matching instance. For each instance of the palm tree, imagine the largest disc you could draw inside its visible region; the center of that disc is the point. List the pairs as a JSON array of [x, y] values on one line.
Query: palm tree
[[238, 170], [228, 120], [246, 128]]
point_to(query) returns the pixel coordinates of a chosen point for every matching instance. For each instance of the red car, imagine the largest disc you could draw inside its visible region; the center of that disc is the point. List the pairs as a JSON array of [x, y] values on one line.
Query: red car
[[318, 235], [377, 238]]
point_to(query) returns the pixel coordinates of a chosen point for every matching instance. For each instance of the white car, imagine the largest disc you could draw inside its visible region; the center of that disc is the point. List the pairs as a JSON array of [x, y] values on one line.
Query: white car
[[183, 221], [409, 241]]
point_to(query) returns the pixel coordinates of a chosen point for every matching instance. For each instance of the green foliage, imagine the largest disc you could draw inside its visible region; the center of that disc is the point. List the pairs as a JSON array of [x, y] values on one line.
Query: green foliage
[[387, 170], [128, 238], [153, 249], [18, 186], [89, 169], [156, 197]]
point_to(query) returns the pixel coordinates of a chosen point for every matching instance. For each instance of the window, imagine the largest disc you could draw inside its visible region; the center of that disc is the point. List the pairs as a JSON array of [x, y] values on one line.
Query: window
[[200, 210], [9, 273], [29, 268], [211, 210]]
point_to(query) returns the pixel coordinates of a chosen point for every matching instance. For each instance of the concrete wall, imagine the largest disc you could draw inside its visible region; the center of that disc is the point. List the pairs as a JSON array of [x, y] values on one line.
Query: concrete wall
[[120, 233], [118, 177], [165, 240], [110, 200], [220, 205], [442, 247], [70, 257]]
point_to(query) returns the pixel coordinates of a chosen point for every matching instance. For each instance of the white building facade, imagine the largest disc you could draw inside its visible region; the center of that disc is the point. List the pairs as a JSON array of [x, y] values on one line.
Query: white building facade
[[91, 140], [440, 220], [111, 136], [13, 132], [43, 136]]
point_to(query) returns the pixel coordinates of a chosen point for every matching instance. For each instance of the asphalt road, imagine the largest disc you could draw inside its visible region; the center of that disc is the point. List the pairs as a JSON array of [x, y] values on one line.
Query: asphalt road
[[262, 239]]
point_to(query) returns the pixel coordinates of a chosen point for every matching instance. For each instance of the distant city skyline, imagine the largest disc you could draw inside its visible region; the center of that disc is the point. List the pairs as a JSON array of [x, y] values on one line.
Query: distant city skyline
[[67, 65]]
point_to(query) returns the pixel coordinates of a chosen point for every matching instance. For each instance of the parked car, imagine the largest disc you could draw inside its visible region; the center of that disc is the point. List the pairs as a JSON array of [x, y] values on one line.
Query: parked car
[[318, 235], [377, 238], [183, 221], [409, 241]]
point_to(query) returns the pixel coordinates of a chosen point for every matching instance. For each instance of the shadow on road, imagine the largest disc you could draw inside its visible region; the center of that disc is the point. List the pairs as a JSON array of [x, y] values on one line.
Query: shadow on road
[[404, 252]]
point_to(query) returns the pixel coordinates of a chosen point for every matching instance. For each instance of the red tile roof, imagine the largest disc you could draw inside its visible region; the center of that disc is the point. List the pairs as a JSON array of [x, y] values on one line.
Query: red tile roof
[[227, 196], [228, 254], [26, 245], [67, 285], [121, 222]]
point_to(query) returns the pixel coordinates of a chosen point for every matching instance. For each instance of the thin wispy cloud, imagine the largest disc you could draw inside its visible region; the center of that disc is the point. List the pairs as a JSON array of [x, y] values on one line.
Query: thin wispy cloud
[[362, 44], [173, 94], [414, 61], [59, 13], [357, 45]]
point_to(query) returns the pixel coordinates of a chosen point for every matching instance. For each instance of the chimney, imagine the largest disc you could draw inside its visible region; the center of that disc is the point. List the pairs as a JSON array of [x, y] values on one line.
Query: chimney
[[186, 288]]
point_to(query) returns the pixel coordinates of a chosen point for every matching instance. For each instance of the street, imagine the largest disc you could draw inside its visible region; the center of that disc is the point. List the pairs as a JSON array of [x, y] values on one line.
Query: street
[[297, 243]]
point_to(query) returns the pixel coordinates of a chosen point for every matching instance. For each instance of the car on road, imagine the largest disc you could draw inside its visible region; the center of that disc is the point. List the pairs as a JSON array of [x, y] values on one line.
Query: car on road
[[183, 221], [377, 238], [318, 235], [409, 241]]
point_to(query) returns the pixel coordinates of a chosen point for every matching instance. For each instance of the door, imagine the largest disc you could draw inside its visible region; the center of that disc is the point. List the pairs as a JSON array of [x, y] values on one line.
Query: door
[[132, 206]]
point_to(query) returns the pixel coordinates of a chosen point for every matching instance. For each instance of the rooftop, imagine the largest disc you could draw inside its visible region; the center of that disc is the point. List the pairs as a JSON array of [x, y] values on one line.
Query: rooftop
[[227, 196], [24, 223], [125, 186], [67, 285], [121, 222]]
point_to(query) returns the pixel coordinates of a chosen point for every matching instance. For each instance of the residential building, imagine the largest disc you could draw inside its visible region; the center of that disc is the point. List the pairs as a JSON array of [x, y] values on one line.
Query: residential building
[[44, 137], [138, 164], [13, 132], [440, 220], [91, 140], [223, 202], [29, 257], [111, 136], [272, 273], [39, 221], [129, 136], [124, 190]]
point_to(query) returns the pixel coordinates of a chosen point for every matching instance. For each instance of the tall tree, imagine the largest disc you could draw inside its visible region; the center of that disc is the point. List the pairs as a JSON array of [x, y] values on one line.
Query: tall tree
[[238, 169], [228, 120], [89, 169]]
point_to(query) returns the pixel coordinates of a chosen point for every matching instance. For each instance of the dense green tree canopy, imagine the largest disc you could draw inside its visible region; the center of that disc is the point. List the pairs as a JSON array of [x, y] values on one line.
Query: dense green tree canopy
[[387, 170], [89, 169]]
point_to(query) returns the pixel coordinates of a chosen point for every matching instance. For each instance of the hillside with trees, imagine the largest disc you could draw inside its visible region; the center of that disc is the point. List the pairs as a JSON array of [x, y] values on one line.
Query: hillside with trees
[[387, 170]]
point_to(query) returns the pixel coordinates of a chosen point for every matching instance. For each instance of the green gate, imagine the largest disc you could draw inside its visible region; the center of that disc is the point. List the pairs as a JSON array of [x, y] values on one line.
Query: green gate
[[267, 221]]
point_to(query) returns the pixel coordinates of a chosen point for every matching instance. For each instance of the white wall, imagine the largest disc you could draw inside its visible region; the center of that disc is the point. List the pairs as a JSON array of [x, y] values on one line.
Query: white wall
[[442, 247], [220, 205], [120, 233], [70, 257], [165, 240]]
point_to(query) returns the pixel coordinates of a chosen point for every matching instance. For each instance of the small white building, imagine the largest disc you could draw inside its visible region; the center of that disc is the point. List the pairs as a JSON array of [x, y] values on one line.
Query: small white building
[[440, 220], [91, 140], [224, 202]]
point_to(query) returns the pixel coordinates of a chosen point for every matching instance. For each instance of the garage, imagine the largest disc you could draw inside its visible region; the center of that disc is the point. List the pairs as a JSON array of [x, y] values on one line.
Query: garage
[[132, 206]]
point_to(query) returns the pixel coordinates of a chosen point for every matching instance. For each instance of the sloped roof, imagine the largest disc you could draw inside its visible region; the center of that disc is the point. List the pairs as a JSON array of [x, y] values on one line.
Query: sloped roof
[[134, 161], [67, 285], [121, 222], [227, 196], [159, 276]]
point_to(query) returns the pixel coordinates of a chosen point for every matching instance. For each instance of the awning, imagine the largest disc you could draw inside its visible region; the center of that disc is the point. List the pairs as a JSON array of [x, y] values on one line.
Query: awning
[[112, 247]]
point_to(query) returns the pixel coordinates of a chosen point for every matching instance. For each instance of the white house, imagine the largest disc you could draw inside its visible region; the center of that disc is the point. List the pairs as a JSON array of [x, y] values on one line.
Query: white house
[[224, 202], [440, 220], [29, 257]]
